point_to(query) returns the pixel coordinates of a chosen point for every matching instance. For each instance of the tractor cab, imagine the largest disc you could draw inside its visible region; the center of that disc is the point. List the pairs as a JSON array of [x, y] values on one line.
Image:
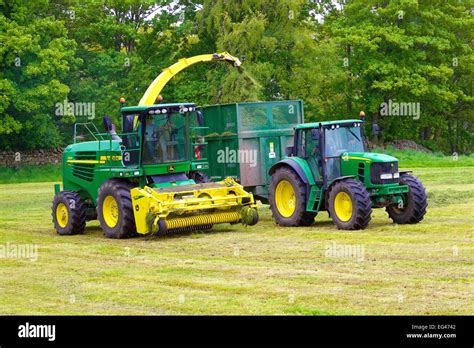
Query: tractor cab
[[324, 144]]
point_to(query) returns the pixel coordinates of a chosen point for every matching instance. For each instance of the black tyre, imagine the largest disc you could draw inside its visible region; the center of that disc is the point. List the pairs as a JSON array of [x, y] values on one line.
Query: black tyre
[[308, 218], [287, 199], [199, 177], [414, 206], [349, 205], [114, 209], [69, 213]]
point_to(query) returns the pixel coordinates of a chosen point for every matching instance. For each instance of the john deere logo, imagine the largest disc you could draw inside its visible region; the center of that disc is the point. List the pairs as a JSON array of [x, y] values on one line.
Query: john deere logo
[[171, 168]]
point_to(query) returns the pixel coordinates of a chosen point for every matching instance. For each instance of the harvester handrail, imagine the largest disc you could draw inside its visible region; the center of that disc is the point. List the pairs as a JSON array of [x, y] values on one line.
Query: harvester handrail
[[109, 152], [86, 126]]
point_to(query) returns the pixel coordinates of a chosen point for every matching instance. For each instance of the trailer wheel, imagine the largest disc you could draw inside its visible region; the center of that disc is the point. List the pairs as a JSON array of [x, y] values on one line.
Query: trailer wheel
[[69, 213], [414, 206], [114, 209], [287, 198], [350, 205]]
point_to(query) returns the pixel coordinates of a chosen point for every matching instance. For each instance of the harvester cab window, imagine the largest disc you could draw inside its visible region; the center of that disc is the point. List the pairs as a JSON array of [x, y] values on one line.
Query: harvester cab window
[[164, 139]]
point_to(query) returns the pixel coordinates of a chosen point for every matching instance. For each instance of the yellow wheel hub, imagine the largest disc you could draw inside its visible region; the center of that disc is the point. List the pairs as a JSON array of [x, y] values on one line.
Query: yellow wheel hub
[[285, 198], [62, 215], [110, 211], [343, 206]]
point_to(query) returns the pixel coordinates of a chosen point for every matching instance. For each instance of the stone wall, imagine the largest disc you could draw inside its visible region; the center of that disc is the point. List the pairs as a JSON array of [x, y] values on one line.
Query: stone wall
[[34, 157]]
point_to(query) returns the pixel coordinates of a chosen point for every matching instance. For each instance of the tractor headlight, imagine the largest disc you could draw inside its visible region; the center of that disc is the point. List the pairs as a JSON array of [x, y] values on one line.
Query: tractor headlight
[[396, 175], [386, 176]]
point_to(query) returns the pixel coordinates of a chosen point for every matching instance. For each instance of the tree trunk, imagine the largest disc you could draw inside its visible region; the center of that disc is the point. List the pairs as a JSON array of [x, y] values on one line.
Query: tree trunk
[[349, 83], [450, 136]]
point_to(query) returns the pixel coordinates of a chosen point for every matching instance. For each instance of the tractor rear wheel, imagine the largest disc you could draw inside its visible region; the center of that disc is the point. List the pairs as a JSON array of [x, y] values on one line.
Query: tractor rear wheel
[[350, 205], [69, 213], [414, 205], [115, 210], [287, 198]]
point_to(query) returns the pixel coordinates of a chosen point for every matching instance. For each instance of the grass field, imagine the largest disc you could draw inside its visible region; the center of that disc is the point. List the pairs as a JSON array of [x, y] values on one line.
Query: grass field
[[386, 269]]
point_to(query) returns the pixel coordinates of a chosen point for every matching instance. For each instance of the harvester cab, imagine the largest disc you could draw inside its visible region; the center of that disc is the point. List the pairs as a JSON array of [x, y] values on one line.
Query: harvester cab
[[165, 134], [329, 168]]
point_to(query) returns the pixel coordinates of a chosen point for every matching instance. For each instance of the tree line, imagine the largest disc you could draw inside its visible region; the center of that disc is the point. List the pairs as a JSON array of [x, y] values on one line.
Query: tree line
[[407, 63]]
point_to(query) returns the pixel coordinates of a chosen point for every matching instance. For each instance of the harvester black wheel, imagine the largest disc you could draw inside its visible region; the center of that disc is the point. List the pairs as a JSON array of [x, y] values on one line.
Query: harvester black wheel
[[350, 205], [199, 177], [114, 209], [287, 198], [69, 213], [413, 208]]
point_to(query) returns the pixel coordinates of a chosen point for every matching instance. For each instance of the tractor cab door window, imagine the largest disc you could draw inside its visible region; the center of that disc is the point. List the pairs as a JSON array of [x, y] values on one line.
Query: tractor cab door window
[[165, 139], [310, 150], [130, 142]]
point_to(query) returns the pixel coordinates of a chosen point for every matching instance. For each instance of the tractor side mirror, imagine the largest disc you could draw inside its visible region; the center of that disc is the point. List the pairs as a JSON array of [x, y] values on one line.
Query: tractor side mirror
[[375, 129], [315, 134], [200, 118], [289, 151]]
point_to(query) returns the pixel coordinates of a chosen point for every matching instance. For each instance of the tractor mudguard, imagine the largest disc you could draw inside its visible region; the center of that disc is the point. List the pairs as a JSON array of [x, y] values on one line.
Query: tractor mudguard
[[299, 165], [301, 168], [340, 178]]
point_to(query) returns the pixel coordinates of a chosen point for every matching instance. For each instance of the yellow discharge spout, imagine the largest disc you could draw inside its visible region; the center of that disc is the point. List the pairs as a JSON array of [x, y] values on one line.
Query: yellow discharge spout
[[167, 74]]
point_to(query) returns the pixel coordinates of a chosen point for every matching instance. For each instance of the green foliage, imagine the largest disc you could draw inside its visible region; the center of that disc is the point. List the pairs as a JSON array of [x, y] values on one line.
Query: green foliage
[[339, 59], [35, 58], [410, 51]]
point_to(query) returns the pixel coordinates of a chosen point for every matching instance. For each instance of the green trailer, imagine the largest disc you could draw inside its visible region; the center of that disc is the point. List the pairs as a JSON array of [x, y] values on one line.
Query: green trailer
[[245, 140]]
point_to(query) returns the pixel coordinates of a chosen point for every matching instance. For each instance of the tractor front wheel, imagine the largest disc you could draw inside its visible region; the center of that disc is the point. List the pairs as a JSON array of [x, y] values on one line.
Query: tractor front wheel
[[413, 207], [114, 209], [287, 198], [69, 213], [349, 205]]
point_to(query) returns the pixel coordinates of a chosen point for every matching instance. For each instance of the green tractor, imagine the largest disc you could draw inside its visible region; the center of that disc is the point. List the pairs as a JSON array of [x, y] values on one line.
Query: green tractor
[[147, 179], [329, 169]]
